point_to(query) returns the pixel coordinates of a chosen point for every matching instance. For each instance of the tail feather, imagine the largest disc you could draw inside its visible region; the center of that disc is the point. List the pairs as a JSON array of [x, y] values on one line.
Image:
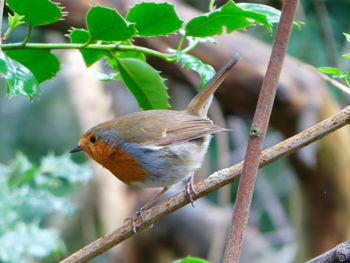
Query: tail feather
[[198, 105]]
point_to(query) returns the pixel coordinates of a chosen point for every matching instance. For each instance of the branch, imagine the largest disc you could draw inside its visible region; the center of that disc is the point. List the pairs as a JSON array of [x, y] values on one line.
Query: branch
[[332, 81], [212, 183], [340, 253], [258, 132], [167, 57]]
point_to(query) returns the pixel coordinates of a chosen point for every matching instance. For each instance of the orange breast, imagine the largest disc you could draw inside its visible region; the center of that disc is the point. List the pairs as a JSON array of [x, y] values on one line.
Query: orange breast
[[122, 165]]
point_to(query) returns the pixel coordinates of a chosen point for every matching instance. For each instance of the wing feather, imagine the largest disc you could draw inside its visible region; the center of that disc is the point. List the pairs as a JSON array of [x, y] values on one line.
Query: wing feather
[[160, 128]]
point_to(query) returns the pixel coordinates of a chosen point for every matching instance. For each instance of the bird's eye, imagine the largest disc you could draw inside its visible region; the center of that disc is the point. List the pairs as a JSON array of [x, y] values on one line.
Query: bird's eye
[[93, 139]]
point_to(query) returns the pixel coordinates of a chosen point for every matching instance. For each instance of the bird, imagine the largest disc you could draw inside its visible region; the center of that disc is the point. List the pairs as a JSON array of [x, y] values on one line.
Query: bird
[[156, 148]]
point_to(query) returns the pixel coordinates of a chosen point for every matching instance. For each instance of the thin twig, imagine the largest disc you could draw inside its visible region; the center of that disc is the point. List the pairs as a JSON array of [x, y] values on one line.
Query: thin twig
[[2, 2], [334, 82], [340, 253], [212, 183], [29, 34], [258, 132]]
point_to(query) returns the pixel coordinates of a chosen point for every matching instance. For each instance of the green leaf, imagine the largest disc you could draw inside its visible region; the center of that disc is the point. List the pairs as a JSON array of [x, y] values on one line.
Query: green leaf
[[107, 24], [19, 79], [329, 70], [154, 19], [15, 20], [115, 74], [347, 81], [335, 72], [229, 15], [145, 83], [347, 55], [90, 56], [42, 63], [347, 36], [38, 12], [191, 260], [205, 71], [272, 15], [124, 54]]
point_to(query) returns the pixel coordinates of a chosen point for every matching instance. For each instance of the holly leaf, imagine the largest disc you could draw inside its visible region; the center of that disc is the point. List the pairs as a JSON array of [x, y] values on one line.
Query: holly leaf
[[90, 56], [145, 83], [272, 14], [154, 19], [42, 63], [107, 24], [38, 12], [205, 71], [19, 79], [229, 15], [112, 62], [329, 70]]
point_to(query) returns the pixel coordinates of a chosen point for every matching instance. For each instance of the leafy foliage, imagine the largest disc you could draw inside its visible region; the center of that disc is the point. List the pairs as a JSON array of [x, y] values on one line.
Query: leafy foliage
[[90, 56], [229, 15], [147, 15], [205, 71], [107, 24], [109, 35], [38, 12], [337, 73], [34, 60], [30, 194], [272, 14], [144, 82], [19, 79]]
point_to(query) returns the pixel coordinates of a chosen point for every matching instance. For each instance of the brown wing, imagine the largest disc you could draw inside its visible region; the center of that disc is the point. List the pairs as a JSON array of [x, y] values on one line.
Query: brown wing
[[189, 128], [165, 127], [161, 127]]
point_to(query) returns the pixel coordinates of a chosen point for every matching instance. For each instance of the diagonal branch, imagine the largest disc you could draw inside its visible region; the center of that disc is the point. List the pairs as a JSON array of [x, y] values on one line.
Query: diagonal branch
[[340, 253], [332, 81], [212, 183]]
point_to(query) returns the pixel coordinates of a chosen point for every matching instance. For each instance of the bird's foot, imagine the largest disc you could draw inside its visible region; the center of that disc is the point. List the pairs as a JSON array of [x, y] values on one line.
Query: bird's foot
[[133, 219], [140, 212], [189, 190]]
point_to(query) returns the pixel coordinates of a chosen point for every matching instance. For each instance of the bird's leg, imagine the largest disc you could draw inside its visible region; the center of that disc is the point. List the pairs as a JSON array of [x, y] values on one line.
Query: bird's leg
[[144, 208], [189, 190]]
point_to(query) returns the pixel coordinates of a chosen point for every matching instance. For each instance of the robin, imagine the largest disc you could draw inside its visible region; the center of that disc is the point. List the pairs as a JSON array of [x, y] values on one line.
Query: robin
[[156, 148]]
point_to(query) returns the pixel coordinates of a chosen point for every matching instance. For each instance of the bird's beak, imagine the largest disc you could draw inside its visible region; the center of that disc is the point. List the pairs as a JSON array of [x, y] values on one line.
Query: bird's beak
[[76, 149]]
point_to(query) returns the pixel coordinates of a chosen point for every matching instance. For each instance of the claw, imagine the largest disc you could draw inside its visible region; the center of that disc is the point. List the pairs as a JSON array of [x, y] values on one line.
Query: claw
[[139, 213], [189, 190], [133, 219]]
